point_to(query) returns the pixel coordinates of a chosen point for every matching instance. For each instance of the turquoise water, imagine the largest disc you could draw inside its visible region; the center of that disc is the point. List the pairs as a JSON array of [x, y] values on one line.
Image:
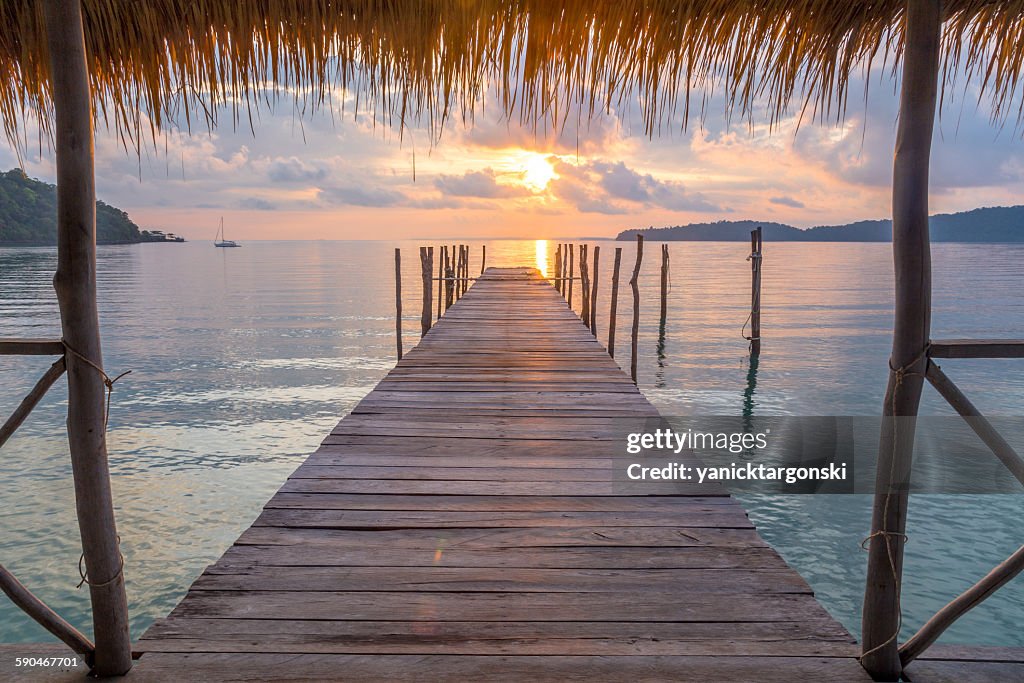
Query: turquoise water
[[243, 359]]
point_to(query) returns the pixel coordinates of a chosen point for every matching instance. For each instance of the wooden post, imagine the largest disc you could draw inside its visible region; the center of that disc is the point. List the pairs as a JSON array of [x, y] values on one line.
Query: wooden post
[[398, 298], [593, 293], [975, 420], [75, 283], [44, 616], [584, 287], [427, 273], [912, 260], [31, 400], [634, 283], [755, 290], [614, 305], [558, 268], [569, 298], [464, 275], [441, 258], [944, 618], [460, 270], [449, 283], [664, 283], [453, 266], [565, 271], [483, 258]]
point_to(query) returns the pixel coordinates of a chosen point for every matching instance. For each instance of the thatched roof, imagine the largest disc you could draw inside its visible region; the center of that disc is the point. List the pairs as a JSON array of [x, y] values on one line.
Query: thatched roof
[[545, 59]]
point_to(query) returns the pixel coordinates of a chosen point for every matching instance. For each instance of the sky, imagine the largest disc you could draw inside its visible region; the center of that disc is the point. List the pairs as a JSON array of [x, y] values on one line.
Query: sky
[[334, 176]]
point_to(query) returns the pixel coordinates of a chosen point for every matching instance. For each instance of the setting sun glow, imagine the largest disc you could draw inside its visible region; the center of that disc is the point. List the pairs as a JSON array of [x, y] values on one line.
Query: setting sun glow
[[537, 172]]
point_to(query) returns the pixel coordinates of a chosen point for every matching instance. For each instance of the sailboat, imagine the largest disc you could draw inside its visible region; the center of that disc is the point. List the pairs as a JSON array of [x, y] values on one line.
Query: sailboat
[[220, 241]]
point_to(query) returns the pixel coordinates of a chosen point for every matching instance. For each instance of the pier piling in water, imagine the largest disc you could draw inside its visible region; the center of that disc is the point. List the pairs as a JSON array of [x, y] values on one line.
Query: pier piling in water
[[664, 283], [755, 258], [398, 298], [634, 283], [613, 305], [593, 291]]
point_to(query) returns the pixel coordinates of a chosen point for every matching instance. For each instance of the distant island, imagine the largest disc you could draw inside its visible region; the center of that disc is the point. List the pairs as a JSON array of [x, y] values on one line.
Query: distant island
[[995, 224], [28, 216]]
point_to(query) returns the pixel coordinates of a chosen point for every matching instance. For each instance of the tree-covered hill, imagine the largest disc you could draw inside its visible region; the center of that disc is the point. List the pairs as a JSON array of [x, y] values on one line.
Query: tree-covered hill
[[28, 214], [989, 224]]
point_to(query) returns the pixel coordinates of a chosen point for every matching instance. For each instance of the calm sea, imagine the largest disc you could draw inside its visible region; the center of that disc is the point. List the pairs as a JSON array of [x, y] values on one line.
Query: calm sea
[[243, 359]]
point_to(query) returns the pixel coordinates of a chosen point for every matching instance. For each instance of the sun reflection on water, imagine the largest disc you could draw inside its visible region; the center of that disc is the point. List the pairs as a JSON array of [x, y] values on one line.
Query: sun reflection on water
[[542, 257]]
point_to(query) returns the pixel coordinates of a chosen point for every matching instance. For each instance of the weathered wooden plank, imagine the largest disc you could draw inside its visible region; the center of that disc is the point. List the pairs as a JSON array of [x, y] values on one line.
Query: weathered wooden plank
[[679, 506], [490, 488], [260, 667], [512, 580], [682, 537], [638, 606], [443, 555], [434, 519], [804, 638]]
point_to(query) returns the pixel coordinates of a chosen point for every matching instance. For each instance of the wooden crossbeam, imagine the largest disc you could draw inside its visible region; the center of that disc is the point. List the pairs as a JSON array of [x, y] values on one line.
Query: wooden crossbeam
[[977, 348], [31, 347]]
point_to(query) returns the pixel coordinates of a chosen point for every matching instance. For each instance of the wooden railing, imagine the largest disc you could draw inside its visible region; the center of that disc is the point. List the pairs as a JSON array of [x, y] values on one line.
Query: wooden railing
[[15, 590], [1007, 570], [453, 280]]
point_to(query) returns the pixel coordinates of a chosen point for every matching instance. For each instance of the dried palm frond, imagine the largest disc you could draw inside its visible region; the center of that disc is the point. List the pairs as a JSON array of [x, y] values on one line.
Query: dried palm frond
[[161, 60]]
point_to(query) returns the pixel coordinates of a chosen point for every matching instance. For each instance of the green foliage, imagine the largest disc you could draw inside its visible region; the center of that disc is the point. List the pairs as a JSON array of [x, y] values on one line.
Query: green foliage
[[28, 213]]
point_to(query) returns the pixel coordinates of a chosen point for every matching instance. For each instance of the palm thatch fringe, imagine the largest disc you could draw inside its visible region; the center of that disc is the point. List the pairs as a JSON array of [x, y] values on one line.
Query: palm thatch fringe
[[163, 61]]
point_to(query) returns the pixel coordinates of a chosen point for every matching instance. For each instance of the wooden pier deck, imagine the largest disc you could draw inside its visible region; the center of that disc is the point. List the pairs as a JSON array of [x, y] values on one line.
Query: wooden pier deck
[[462, 523]]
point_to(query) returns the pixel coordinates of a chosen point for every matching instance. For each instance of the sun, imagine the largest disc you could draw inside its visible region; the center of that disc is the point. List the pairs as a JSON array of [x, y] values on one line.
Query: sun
[[537, 172]]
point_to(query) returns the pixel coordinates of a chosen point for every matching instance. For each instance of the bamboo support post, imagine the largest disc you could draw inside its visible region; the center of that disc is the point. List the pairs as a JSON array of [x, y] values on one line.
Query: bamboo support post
[[978, 422], [441, 257], [664, 283], [426, 272], [31, 400], [75, 283], [912, 261], [398, 298], [756, 259], [614, 303], [483, 258], [584, 287], [634, 283], [593, 292], [571, 270], [24, 599], [957, 607]]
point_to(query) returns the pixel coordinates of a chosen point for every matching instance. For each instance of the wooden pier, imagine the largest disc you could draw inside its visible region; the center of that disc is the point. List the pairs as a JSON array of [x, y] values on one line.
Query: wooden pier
[[462, 523]]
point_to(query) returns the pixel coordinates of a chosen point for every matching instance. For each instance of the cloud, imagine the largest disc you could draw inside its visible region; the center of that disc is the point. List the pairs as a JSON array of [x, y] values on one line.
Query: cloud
[[598, 186], [481, 184], [257, 203], [787, 201], [294, 170], [354, 195]]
